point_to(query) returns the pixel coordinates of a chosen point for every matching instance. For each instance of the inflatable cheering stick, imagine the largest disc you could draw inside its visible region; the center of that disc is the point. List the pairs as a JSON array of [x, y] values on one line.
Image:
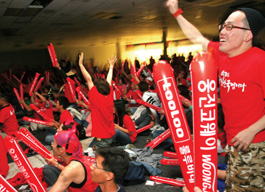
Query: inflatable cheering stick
[[5, 186], [148, 104], [144, 128], [168, 92], [79, 92], [175, 182], [159, 139], [26, 137], [41, 113], [23, 164], [204, 100], [34, 83]]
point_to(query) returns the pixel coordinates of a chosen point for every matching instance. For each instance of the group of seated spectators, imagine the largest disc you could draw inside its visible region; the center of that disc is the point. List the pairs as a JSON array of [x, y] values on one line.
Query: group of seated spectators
[[111, 115]]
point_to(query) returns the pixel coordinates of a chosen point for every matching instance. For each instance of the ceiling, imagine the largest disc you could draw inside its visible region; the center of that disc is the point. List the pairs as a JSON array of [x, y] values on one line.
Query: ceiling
[[26, 24]]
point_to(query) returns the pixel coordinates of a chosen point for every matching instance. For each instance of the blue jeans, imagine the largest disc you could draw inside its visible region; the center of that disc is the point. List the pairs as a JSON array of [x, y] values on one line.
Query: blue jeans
[[166, 143], [121, 137], [50, 135]]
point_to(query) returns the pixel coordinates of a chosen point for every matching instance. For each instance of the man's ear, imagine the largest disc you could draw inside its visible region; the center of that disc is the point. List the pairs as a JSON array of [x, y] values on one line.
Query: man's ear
[[110, 176], [248, 36]]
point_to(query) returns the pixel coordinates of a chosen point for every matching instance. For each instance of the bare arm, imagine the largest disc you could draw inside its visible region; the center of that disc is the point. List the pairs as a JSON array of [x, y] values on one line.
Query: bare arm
[[41, 97], [123, 129], [74, 172], [86, 75], [112, 61], [191, 32]]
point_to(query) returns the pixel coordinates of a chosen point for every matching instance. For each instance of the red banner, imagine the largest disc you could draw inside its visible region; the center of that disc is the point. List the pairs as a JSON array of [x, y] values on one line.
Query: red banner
[[180, 133], [204, 89], [23, 164]]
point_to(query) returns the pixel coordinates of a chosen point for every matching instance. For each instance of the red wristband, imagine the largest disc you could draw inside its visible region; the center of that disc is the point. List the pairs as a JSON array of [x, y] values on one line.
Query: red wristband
[[177, 13]]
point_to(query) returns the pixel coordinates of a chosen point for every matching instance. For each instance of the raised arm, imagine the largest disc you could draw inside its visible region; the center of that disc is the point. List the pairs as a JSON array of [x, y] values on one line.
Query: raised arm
[[86, 75], [44, 100], [191, 32], [112, 61]]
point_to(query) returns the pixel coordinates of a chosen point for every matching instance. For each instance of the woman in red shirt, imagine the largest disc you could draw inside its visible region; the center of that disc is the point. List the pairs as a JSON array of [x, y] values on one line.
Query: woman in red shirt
[[125, 131]]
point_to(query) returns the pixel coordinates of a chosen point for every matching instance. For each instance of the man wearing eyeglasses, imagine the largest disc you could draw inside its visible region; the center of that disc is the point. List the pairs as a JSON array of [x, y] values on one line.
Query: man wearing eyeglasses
[[110, 167], [242, 89]]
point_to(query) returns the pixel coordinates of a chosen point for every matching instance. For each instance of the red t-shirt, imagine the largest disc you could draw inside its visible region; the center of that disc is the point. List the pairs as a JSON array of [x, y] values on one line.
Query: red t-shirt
[[66, 116], [101, 113], [67, 91], [8, 119], [130, 126], [47, 110], [242, 89], [132, 94]]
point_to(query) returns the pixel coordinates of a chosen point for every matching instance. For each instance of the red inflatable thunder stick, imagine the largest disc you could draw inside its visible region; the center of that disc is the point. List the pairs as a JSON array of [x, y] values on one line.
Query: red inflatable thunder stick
[[34, 83], [21, 91], [53, 54], [144, 128], [167, 90], [5, 186], [40, 113], [36, 121], [140, 70], [23, 164], [159, 139], [68, 79], [170, 154], [169, 181], [39, 84], [27, 139], [204, 76], [18, 97], [79, 92], [148, 104], [169, 161]]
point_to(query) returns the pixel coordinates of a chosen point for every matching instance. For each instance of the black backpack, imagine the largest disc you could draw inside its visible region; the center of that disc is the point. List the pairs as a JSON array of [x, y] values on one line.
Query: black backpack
[[135, 174]]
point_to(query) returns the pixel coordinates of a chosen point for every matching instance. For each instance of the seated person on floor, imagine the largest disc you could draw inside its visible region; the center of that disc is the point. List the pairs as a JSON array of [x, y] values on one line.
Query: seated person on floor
[[8, 125], [43, 104], [74, 174], [65, 116], [110, 167], [132, 96], [125, 132]]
